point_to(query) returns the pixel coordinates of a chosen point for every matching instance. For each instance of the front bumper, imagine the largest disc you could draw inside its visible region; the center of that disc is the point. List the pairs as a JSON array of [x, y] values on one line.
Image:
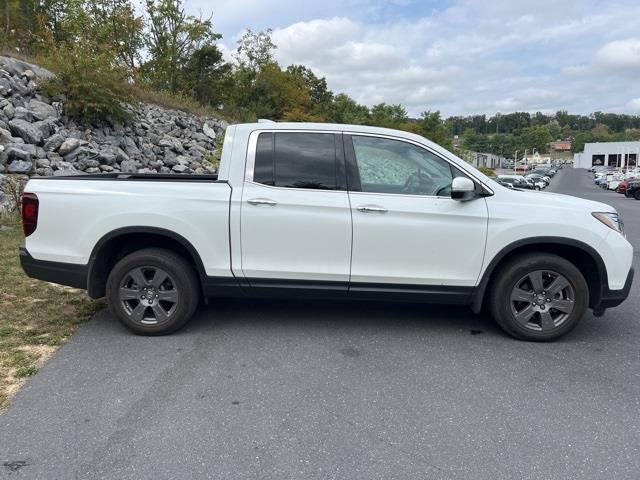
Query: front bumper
[[69, 274], [613, 298]]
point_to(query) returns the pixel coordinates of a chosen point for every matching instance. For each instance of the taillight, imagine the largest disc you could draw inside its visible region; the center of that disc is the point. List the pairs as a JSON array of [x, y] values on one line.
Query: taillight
[[29, 213]]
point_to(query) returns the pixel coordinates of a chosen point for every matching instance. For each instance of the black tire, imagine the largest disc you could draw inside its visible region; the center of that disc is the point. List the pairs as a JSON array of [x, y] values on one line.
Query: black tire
[[171, 303], [636, 194], [505, 287]]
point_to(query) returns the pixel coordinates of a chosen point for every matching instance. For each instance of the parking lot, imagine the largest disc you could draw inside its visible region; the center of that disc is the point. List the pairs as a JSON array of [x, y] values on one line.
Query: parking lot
[[305, 390]]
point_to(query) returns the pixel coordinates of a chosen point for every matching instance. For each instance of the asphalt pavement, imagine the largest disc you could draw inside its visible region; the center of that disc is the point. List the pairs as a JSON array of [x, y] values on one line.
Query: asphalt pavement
[[313, 390]]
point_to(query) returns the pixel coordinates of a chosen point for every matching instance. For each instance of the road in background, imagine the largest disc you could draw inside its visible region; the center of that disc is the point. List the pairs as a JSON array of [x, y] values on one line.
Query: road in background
[[316, 390]]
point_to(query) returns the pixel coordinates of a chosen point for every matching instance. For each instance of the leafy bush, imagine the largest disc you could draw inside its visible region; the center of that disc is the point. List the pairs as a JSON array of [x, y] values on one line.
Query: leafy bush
[[95, 89]]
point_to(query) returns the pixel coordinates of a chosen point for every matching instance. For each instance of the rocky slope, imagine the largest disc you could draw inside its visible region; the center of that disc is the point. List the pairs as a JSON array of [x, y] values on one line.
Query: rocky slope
[[37, 139]]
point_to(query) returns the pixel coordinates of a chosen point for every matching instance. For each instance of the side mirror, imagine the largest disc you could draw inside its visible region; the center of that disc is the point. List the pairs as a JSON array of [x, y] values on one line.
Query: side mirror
[[463, 188]]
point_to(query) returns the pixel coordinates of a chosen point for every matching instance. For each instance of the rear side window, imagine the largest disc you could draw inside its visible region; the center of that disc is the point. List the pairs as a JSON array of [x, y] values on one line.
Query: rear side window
[[296, 160]]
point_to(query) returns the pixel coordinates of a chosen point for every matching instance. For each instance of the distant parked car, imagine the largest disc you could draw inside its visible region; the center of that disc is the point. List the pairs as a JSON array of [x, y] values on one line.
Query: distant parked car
[[633, 189], [624, 184], [548, 172], [505, 184], [517, 181], [537, 178]]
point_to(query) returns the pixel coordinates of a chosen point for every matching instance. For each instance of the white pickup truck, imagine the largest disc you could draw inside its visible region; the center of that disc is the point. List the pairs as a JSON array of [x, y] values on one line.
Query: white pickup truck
[[333, 211]]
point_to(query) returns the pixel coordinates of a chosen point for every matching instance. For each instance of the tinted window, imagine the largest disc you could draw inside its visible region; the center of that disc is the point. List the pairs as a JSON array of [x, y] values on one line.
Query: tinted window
[[263, 168], [296, 160], [305, 160], [392, 166]]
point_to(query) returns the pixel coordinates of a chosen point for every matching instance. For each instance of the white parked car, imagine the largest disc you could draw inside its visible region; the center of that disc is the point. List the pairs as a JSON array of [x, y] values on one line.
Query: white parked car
[[337, 211]]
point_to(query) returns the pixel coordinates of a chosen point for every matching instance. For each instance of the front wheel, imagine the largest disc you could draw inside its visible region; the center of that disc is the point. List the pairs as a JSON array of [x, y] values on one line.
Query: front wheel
[[538, 297], [636, 194], [153, 291]]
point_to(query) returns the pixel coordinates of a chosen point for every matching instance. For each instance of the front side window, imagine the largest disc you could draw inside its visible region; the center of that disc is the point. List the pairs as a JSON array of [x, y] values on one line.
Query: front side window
[[296, 160], [393, 166]]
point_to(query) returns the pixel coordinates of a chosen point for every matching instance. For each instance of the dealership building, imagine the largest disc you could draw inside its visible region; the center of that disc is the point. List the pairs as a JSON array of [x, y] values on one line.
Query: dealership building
[[614, 154]]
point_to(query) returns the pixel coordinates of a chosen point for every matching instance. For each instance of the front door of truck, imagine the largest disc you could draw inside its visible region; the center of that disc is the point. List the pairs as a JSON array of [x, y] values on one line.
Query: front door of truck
[[407, 230]]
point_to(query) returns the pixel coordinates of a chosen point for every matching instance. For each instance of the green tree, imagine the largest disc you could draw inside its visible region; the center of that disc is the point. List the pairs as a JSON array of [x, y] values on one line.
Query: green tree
[[255, 51], [320, 96], [434, 128], [114, 24], [345, 109], [390, 116], [206, 76], [173, 37]]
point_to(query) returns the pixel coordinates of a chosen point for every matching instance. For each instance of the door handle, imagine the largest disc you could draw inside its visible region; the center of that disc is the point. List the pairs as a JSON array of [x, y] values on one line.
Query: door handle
[[262, 201], [372, 209]]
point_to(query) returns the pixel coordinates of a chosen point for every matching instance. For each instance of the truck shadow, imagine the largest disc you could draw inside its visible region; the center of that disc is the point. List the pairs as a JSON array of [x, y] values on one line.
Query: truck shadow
[[341, 315]]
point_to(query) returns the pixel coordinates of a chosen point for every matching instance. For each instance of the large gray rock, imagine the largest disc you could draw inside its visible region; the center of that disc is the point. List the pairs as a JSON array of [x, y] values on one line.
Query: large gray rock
[[26, 131], [78, 154], [41, 110], [20, 166], [180, 168], [5, 86], [43, 162], [47, 127], [9, 110], [208, 131], [25, 147], [128, 166], [53, 142], [69, 145], [18, 67], [66, 172], [5, 136], [87, 163], [23, 114], [13, 153], [172, 143]]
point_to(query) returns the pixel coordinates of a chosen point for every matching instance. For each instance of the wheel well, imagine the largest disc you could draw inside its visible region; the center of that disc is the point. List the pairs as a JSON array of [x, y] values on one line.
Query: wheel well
[[593, 273], [110, 251]]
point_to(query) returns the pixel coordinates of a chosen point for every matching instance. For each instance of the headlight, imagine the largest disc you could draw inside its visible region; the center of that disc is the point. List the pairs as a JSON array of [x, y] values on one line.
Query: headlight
[[611, 220]]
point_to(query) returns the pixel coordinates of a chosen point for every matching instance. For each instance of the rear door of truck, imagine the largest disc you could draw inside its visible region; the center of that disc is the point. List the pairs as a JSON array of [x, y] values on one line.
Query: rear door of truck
[[295, 212]]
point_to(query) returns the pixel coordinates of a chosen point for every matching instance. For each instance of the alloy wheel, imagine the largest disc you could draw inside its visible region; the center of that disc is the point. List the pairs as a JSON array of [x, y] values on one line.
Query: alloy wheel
[[542, 300], [148, 295]]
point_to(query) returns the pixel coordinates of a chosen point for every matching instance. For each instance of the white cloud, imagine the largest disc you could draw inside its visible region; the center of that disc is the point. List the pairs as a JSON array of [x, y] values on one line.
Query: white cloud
[[460, 56], [634, 104], [620, 54]]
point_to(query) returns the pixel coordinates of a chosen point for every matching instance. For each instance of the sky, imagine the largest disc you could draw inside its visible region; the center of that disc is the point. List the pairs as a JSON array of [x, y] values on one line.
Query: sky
[[458, 56]]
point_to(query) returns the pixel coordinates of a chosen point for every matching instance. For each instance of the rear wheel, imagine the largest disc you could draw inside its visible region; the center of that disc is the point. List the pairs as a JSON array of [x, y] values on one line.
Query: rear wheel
[[636, 194], [539, 297], [153, 291]]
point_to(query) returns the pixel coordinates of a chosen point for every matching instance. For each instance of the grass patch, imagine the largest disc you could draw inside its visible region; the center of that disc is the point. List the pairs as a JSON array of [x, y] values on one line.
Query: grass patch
[[175, 101], [35, 317]]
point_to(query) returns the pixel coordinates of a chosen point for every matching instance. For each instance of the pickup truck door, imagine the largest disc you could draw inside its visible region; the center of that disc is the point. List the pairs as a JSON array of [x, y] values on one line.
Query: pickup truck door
[[407, 230], [295, 215]]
